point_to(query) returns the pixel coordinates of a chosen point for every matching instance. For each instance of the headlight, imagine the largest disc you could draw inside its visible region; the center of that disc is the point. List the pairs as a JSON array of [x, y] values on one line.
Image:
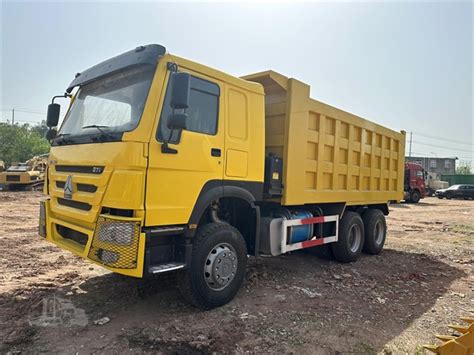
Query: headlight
[[115, 243], [117, 232]]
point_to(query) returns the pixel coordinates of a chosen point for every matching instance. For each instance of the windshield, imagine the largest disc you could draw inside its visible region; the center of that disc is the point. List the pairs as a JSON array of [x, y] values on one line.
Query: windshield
[[110, 105], [454, 187], [18, 168]]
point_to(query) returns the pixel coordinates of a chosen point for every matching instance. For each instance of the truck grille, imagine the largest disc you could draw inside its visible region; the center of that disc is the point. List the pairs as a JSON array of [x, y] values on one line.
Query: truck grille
[[88, 187], [74, 204], [72, 234], [80, 187], [80, 169], [13, 177]]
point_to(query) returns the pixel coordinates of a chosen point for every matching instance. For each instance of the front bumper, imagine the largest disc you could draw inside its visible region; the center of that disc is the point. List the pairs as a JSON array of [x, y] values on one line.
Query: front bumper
[[124, 255]]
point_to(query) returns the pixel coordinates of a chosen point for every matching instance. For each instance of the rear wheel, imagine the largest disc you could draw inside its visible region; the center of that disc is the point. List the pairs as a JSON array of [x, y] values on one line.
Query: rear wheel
[[351, 238], [375, 228], [415, 196], [323, 251], [217, 267]]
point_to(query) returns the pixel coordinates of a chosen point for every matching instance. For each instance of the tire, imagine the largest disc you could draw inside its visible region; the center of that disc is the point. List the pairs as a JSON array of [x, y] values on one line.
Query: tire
[[375, 228], [351, 238], [440, 197], [415, 196], [323, 251], [201, 284]]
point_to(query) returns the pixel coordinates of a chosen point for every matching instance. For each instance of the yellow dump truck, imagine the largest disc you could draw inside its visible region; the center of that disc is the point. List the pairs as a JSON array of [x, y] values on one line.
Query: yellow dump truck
[[25, 176], [163, 164]]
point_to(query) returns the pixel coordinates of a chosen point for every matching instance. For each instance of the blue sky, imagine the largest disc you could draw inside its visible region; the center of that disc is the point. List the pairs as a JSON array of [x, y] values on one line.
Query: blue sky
[[404, 65]]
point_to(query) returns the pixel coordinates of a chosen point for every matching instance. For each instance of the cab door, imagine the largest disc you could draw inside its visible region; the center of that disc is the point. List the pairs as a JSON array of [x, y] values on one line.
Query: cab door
[[174, 181]]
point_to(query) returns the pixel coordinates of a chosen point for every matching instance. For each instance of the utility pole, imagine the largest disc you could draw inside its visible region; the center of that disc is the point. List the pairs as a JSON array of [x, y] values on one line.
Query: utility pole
[[13, 116], [411, 136]]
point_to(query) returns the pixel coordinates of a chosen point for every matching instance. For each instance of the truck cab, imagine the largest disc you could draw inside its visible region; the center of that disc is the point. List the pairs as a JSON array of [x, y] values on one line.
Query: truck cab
[[127, 188], [414, 185]]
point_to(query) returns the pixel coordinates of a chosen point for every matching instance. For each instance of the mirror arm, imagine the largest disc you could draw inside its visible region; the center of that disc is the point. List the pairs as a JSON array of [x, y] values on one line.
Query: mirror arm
[[172, 67], [65, 95], [165, 149]]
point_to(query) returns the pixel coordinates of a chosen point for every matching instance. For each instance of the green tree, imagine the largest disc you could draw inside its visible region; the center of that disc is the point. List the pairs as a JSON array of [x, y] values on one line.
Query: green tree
[[464, 169], [19, 143], [40, 128]]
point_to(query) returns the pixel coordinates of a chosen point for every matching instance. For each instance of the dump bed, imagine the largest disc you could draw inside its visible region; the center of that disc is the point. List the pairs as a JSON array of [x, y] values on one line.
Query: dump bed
[[328, 155]]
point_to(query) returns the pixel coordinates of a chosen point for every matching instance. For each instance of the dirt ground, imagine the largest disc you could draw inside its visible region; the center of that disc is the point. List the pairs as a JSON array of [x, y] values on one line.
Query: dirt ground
[[298, 303]]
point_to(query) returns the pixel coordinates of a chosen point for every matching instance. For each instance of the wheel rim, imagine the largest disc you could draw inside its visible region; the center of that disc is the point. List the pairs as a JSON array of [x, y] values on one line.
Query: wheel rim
[[355, 238], [379, 232], [220, 266]]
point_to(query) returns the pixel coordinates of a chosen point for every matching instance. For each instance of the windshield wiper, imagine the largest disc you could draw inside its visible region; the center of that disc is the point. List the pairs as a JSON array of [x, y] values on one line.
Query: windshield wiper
[[105, 134], [59, 139]]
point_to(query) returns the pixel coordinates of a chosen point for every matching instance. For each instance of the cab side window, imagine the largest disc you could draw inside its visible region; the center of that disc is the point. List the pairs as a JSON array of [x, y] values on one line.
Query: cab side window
[[202, 112]]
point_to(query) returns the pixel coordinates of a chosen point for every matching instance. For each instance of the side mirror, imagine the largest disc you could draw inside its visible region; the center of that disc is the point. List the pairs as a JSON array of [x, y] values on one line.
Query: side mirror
[[51, 134], [52, 119], [177, 121], [180, 92]]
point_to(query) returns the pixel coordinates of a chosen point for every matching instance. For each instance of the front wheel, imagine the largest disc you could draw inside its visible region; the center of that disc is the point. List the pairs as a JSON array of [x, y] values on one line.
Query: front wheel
[[415, 196], [217, 269], [351, 238]]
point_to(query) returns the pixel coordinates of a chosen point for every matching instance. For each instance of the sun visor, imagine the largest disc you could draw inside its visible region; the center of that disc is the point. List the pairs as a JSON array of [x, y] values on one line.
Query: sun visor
[[143, 55]]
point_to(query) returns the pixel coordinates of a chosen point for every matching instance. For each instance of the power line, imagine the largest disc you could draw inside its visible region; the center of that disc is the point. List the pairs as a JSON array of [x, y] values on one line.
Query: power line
[[35, 112], [21, 121], [443, 138], [443, 147], [430, 156]]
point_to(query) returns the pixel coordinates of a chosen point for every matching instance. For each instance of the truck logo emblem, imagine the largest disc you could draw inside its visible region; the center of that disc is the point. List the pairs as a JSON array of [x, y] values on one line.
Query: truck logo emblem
[[68, 188]]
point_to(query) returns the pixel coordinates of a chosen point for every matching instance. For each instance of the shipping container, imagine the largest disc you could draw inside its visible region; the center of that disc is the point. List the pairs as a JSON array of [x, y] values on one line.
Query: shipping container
[[458, 179]]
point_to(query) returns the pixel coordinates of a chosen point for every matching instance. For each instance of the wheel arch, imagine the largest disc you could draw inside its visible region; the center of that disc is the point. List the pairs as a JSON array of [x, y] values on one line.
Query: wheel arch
[[240, 196]]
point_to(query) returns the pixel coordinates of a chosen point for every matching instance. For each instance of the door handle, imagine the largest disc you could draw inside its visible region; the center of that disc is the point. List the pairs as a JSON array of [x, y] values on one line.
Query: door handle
[[215, 152]]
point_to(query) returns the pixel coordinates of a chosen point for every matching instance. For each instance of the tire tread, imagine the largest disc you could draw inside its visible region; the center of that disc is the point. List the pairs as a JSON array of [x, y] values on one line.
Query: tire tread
[[184, 280]]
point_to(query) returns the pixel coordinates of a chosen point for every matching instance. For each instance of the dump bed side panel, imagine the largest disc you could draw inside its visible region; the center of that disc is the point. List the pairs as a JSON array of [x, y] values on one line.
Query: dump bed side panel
[[334, 156], [329, 155]]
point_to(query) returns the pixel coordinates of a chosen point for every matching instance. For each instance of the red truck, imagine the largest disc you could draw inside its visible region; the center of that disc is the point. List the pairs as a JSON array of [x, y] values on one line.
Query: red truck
[[414, 182]]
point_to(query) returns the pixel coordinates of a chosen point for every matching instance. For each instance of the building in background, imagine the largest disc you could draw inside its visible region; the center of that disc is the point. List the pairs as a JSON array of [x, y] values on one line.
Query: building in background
[[435, 166]]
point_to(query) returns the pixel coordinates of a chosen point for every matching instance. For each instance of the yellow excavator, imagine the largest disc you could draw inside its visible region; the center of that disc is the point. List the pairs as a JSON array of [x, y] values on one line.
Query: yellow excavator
[[25, 176], [460, 344]]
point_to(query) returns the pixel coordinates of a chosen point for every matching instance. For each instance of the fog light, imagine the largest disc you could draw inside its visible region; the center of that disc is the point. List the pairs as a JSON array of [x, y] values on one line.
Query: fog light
[[107, 256]]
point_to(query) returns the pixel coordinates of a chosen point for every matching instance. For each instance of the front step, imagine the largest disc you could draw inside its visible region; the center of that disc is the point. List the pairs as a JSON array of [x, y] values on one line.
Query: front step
[[158, 269]]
